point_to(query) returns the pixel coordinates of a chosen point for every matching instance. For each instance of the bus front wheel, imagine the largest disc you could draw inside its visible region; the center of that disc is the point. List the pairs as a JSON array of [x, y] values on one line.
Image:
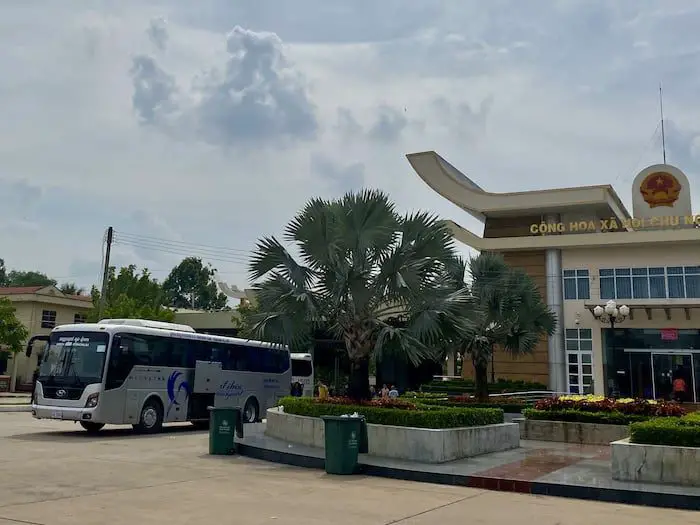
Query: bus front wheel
[[151, 418], [92, 428], [251, 411]]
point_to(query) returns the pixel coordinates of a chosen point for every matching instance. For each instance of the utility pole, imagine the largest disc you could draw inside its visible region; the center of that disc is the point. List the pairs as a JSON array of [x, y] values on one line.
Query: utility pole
[[105, 271]]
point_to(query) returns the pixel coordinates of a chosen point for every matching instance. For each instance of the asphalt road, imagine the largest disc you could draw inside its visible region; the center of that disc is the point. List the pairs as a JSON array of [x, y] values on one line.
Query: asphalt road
[[53, 473]]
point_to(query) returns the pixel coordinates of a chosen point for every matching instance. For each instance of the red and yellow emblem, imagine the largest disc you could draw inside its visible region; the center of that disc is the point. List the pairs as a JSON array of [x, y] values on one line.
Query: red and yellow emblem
[[660, 189]]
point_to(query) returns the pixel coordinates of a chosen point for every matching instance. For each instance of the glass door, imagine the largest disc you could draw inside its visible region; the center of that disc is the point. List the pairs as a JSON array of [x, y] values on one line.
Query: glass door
[[666, 368]]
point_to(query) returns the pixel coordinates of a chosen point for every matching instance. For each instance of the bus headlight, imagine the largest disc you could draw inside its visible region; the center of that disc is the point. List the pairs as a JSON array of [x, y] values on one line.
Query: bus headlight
[[92, 400]]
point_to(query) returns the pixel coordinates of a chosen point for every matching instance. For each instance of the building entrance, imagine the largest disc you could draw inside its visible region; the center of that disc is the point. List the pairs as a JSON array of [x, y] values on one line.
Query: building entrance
[[652, 373]]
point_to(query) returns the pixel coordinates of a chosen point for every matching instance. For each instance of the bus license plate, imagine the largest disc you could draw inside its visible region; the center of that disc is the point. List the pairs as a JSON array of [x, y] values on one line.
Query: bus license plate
[[56, 414]]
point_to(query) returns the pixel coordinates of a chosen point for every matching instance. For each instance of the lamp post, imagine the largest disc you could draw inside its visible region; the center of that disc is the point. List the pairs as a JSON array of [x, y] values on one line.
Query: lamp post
[[611, 314]]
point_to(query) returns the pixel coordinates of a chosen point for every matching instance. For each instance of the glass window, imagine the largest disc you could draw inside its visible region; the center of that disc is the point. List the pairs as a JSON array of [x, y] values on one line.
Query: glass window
[[48, 318], [623, 283], [570, 288], [579, 349], [577, 284], [640, 287], [692, 282], [676, 288], [657, 283], [607, 284]]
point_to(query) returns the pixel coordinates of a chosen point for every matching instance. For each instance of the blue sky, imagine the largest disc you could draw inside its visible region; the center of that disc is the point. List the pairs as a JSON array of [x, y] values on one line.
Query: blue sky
[[212, 122]]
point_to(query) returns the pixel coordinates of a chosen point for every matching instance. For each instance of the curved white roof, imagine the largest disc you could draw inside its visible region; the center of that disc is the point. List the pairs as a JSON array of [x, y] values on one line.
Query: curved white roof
[[459, 189]]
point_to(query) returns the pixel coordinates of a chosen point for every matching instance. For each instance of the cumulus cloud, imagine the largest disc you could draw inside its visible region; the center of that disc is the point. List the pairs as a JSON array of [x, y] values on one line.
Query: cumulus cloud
[[340, 177], [256, 97], [389, 124], [157, 33], [154, 90]]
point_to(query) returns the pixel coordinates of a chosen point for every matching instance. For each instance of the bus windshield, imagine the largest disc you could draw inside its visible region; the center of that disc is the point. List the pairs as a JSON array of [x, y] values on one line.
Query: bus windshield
[[74, 357], [301, 368]]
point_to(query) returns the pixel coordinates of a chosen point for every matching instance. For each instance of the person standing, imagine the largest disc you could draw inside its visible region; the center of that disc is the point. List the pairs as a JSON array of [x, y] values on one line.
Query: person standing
[[679, 387]]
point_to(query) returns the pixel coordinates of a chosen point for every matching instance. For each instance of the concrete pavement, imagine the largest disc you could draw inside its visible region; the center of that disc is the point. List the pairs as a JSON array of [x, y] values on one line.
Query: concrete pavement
[[53, 473]]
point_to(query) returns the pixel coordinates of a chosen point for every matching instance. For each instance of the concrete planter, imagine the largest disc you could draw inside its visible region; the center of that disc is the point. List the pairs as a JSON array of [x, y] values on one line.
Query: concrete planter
[[568, 432], [655, 463], [415, 444]]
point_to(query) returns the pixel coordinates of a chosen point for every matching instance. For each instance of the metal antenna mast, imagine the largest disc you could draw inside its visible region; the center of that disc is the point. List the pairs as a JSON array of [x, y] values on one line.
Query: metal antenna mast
[[663, 131]]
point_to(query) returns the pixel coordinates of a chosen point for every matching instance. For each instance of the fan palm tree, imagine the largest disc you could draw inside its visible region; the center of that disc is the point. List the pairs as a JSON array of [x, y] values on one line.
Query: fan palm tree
[[360, 263], [506, 311]]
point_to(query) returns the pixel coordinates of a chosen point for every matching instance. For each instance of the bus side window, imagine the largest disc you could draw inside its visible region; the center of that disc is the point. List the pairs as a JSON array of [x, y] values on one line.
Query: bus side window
[[181, 354], [159, 350], [202, 351], [240, 358], [120, 362]]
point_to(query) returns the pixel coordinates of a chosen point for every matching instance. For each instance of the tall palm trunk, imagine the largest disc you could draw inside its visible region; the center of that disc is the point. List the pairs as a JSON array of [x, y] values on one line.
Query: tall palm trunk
[[358, 388], [481, 378]]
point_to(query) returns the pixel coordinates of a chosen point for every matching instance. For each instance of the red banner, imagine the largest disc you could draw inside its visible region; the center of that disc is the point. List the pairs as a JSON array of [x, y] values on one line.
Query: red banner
[[669, 334]]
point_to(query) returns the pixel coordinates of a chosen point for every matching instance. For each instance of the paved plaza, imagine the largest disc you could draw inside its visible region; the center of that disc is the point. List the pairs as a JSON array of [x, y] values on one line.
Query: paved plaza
[[53, 473]]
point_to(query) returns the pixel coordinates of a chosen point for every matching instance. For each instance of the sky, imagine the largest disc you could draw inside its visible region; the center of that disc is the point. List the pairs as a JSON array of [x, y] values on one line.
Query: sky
[[195, 128]]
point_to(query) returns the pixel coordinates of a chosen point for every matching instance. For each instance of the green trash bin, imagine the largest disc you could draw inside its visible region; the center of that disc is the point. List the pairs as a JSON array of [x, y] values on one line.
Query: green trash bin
[[344, 435], [223, 422]]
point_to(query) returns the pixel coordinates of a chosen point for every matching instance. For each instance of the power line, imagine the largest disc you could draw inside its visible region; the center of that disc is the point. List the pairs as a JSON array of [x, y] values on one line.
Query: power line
[[183, 252], [184, 244]]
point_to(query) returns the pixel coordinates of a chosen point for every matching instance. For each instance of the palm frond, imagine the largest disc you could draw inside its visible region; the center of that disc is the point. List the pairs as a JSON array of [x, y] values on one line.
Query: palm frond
[[269, 254]]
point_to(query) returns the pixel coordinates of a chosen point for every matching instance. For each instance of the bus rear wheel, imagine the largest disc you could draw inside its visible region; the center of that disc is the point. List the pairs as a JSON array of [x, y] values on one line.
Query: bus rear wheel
[[92, 428], [251, 411], [151, 418]]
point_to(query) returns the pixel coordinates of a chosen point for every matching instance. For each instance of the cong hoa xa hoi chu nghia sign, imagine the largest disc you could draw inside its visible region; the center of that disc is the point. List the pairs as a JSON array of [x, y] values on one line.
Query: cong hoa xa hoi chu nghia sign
[[612, 224]]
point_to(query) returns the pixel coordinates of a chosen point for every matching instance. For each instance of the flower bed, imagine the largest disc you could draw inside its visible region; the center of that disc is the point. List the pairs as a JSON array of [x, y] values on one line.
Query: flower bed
[[598, 409], [592, 420], [399, 429], [395, 412]]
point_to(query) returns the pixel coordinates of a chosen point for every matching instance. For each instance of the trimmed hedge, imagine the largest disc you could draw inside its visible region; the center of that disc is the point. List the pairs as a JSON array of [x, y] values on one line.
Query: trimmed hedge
[[422, 417], [509, 408], [671, 431], [580, 416], [466, 386]]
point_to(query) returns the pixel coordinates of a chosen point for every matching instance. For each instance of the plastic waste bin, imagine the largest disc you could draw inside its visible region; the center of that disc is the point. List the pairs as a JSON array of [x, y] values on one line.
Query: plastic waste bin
[[343, 439], [223, 422]]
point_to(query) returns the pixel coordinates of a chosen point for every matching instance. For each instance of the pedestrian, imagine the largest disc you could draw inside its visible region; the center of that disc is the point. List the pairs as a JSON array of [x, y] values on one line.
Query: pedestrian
[[393, 392]]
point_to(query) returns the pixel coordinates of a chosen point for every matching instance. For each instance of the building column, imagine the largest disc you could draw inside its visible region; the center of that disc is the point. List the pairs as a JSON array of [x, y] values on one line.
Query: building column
[[555, 301], [451, 364]]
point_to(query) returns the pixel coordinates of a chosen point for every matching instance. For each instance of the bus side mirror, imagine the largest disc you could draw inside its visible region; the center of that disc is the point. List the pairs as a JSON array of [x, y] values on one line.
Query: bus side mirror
[[30, 344]]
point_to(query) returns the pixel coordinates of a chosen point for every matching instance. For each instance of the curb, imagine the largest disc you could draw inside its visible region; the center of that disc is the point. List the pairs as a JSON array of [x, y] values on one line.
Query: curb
[[15, 408], [609, 495]]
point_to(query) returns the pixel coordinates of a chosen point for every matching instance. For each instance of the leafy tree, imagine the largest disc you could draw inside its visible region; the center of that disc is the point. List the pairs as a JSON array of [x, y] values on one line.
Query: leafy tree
[[3, 274], [29, 278], [71, 289], [13, 334], [244, 318], [130, 294], [506, 310], [191, 284], [361, 262]]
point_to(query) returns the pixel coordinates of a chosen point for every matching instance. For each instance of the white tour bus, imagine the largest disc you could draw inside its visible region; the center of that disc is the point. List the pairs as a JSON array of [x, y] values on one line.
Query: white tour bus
[[146, 373], [303, 372]]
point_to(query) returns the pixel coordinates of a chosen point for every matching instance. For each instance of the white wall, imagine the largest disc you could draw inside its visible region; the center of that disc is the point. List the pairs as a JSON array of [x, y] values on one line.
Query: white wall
[[594, 259]]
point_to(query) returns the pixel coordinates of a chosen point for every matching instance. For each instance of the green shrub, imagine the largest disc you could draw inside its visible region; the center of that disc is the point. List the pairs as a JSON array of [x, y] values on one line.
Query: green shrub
[[670, 431], [579, 416], [423, 417], [466, 386], [510, 407]]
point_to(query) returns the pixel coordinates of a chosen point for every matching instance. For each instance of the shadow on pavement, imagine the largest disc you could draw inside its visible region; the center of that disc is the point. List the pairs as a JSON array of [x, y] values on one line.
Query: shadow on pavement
[[70, 436]]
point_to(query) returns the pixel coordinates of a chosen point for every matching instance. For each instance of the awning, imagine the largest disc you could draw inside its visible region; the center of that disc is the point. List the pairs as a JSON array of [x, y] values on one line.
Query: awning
[[648, 308]]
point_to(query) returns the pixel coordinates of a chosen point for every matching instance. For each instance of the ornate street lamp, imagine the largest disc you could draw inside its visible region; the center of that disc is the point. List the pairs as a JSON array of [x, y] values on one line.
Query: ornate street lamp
[[611, 314]]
